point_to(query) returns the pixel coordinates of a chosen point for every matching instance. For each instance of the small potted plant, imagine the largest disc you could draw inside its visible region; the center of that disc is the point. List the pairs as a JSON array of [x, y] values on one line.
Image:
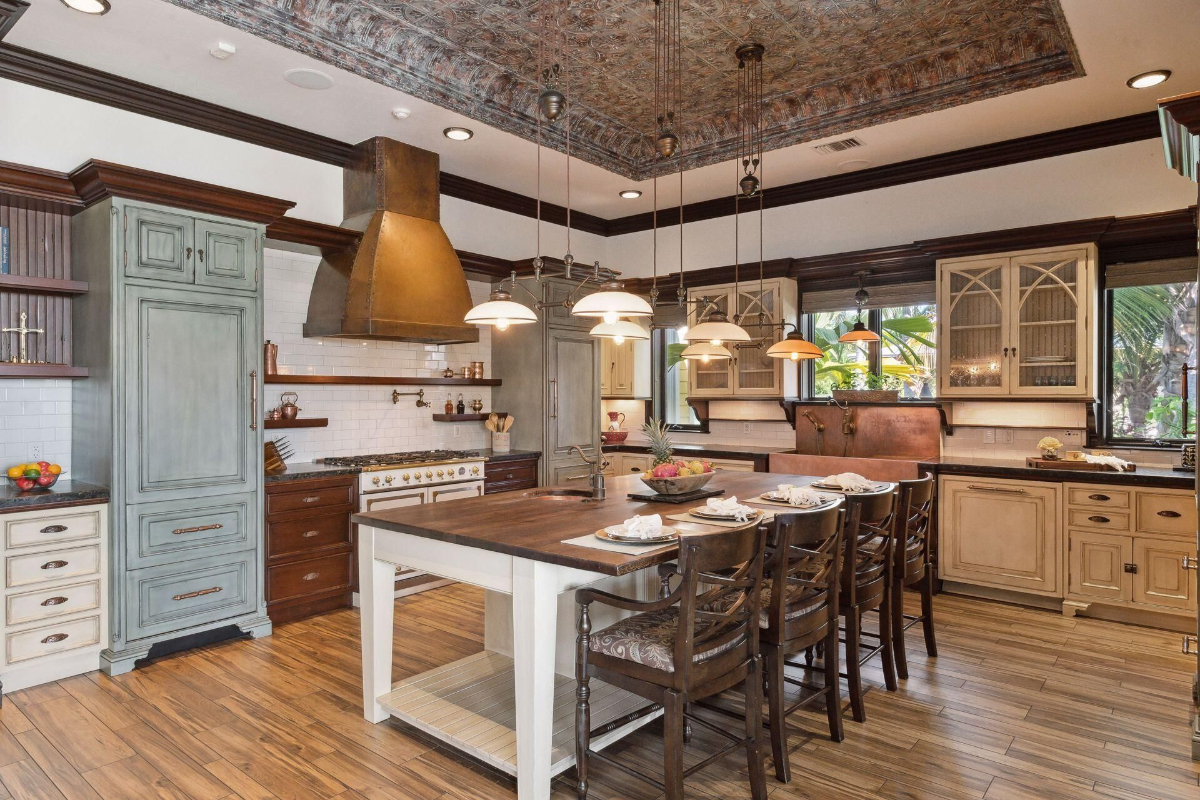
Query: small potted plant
[[1049, 447], [868, 389]]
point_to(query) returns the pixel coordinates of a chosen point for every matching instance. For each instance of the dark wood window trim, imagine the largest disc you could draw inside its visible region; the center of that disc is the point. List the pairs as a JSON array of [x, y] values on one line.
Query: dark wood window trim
[[658, 382]]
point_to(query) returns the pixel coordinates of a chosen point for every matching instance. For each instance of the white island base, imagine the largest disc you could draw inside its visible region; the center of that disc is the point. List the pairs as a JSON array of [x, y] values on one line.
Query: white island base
[[511, 708]]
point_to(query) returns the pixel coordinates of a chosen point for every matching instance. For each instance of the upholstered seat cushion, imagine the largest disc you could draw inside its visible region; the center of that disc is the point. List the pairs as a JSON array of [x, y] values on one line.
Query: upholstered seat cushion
[[726, 603], [648, 639]]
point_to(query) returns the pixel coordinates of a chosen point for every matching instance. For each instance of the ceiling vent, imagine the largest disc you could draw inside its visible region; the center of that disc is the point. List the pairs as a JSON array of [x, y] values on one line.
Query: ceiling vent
[[840, 146]]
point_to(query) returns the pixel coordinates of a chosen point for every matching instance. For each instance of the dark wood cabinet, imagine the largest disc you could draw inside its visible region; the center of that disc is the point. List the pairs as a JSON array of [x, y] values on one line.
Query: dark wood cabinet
[[510, 474], [310, 546]]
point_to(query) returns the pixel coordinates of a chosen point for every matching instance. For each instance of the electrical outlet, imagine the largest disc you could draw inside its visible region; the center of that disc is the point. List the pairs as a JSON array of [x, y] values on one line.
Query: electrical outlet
[[989, 435], [745, 427], [454, 431], [1074, 437], [35, 452], [1006, 436]]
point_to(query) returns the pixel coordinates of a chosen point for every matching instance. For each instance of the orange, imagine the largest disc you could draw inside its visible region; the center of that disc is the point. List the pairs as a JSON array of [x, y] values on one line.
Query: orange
[[55, 469], [17, 471]]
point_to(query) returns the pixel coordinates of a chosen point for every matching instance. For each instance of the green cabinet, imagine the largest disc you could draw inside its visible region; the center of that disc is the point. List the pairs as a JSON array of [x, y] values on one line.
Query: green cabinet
[[172, 333]]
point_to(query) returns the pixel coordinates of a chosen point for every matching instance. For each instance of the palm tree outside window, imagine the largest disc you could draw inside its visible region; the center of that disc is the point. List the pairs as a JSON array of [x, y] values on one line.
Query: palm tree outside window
[[905, 358]]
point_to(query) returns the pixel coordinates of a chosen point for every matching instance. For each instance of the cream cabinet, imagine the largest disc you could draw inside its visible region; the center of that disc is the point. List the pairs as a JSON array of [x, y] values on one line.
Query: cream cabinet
[[624, 369], [750, 373], [1002, 534], [55, 593], [1018, 324]]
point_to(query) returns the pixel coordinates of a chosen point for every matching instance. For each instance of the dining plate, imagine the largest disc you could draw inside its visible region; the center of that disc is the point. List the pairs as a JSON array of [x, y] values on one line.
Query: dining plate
[[776, 497], [707, 513], [616, 533], [875, 487]]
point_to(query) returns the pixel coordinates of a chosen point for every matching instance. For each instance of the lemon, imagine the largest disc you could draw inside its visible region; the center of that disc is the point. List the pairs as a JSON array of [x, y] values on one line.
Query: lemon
[[17, 471]]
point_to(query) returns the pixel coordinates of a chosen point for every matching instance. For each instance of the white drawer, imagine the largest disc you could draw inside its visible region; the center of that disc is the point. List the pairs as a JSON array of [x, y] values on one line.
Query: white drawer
[[51, 529], [50, 639], [58, 601], [72, 562]]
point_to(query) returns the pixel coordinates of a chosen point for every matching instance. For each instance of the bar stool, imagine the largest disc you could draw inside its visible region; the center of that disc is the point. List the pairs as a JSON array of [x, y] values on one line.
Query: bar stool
[[913, 566], [676, 651], [867, 586]]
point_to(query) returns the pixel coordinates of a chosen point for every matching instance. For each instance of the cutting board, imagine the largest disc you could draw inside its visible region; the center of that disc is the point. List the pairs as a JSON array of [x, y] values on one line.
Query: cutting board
[[1044, 463]]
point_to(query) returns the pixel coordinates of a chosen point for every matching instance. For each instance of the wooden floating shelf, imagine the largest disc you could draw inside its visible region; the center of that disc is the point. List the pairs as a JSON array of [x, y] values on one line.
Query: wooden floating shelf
[[35, 285], [306, 422], [41, 371], [375, 380], [465, 417]]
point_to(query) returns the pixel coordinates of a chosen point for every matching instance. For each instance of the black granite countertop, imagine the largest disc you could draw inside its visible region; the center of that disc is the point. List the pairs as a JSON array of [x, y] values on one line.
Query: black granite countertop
[[744, 452], [1158, 477], [303, 470], [64, 493], [511, 455]]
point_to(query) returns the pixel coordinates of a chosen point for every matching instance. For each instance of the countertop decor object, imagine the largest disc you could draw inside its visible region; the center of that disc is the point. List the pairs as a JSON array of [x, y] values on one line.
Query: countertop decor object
[[270, 358], [1049, 447], [1059, 463], [686, 485], [288, 408]]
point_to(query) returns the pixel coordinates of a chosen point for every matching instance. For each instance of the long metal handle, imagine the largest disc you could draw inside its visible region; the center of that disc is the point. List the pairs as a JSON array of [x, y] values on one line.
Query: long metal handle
[[198, 528], [253, 399], [53, 529], [312, 498], [577, 477], [199, 593], [999, 489], [554, 398]]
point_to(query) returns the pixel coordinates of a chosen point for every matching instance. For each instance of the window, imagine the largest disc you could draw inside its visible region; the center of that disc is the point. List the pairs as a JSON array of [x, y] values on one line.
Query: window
[[673, 374], [905, 355], [1151, 315]]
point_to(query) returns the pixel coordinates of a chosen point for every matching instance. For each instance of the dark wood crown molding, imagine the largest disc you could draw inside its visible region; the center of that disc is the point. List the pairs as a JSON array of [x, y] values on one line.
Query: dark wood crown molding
[[488, 267], [494, 197], [10, 12], [97, 180], [19, 182], [327, 239], [1179, 122]]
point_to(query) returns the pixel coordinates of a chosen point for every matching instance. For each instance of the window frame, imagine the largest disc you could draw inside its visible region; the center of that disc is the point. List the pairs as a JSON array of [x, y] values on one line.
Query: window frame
[[658, 382]]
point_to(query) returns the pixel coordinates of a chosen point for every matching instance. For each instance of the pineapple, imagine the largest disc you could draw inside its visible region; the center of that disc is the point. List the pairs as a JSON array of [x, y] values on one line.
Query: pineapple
[[660, 445]]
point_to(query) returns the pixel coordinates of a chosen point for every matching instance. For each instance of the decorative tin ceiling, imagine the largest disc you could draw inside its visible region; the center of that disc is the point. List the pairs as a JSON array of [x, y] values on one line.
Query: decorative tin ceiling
[[831, 67]]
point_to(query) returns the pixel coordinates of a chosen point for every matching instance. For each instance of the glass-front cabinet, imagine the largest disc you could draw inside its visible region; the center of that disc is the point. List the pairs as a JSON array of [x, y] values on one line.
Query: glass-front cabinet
[[759, 310], [1017, 324]]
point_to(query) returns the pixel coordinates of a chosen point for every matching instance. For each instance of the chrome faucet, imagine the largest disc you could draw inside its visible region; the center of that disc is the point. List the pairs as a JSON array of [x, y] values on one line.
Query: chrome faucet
[[596, 468]]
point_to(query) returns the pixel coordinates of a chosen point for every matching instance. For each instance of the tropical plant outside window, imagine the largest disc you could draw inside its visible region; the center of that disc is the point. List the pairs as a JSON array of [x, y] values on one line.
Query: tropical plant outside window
[[1153, 336], [907, 357]]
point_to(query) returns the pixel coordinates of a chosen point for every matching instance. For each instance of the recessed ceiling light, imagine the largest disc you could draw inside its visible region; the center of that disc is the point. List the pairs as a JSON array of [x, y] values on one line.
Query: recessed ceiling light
[[854, 164], [308, 79], [1148, 79], [96, 7], [631, 194], [458, 134], [401, 113]]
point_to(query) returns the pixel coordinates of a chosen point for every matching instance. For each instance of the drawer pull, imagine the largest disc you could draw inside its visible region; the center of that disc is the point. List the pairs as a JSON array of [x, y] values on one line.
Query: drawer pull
[[310, 534], [54, 529], [1103, 498], [54, 565], [510, 476], [1131, 569], [312, 498], [199, 593], [1098, 518], [54, 638], [1188, 641], [1169, 514], [1000, 489], [312, 576], [54, 601], [198, 528]]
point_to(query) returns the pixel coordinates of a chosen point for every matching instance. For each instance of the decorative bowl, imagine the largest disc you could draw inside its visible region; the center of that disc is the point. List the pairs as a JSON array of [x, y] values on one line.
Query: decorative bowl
[[684, 485], [613, 437], [35, 488]]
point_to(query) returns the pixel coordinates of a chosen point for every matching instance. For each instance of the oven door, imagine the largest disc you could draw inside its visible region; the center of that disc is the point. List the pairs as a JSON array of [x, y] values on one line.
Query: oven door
[[455, 491]]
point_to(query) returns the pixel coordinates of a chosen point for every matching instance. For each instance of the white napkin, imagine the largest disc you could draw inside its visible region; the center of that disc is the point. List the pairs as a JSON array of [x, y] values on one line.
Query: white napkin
[[849, 482], [730, 505], [646, 527], [1119, 464], [799, 495]]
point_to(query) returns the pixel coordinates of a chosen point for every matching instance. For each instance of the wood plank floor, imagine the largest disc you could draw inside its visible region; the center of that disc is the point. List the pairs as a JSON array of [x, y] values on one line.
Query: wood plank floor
[[1020, 705]]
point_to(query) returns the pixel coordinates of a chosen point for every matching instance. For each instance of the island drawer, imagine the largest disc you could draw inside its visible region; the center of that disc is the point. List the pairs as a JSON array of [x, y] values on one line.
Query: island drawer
[[57, 601], [505, 476], [174, 530], [315, 495], [290, 536], [176, 596], [51, 529], [31, 568], [50, 639], [1100, 519], [1098, 497], [313, 576]]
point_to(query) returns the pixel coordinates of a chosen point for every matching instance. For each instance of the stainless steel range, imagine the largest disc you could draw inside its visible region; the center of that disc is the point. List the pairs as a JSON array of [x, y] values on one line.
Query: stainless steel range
[[397, 480]]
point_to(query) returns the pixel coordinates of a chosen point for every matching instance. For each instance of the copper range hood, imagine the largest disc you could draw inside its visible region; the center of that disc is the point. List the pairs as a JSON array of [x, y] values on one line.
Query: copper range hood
[[404, 281]]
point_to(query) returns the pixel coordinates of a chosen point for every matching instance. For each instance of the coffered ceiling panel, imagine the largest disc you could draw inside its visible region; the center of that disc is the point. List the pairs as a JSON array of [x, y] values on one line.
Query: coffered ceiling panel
[[831, 66]]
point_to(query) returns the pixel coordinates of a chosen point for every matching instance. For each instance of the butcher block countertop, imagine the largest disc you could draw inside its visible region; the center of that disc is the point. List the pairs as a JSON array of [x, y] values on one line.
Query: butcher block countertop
[[521, 525]]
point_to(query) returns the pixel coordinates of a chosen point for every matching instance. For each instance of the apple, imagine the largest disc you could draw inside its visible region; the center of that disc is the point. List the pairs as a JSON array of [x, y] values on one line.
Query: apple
[[708, 467], [43, 465], [46, 480], [24, 484]]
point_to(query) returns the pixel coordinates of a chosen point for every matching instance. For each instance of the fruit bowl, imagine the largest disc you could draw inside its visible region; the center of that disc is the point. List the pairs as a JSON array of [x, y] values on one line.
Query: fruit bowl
[[613, 437], [684, 485], [16, 484], [34, 476]]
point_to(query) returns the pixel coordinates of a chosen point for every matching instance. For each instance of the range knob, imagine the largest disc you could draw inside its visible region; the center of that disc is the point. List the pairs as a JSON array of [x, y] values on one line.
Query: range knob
[[388, 480], [417, 475], [405, 476], [375, 480], [441, 474], [474, 470], [428, 474]]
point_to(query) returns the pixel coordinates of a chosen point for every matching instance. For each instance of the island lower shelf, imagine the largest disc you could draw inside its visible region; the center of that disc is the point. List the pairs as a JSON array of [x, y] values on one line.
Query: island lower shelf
[[471, 705]]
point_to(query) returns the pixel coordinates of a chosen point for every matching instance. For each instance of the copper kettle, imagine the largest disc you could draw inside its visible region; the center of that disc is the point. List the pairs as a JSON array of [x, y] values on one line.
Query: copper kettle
[[287, 407]]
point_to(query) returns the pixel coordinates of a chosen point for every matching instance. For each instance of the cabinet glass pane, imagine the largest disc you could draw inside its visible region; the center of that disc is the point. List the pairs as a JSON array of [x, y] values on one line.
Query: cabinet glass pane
[[1047, 321], [753, 368], [715, 376], [975, 326]]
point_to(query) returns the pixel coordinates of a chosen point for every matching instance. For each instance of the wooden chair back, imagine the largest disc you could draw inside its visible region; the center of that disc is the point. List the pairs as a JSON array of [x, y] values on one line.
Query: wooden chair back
[[913, 527], [718, 571], [804, 556], [867, 552]]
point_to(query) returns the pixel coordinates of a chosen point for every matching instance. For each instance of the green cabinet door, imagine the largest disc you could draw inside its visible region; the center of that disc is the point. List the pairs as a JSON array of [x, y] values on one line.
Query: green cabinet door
[[159, 245], [188, 383], [226, 255], [573, 394]]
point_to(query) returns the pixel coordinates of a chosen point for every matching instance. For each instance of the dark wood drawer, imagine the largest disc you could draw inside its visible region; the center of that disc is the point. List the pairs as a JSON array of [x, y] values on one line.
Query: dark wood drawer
[[505, 471], [295, 536], [310, 498], [301, 578]]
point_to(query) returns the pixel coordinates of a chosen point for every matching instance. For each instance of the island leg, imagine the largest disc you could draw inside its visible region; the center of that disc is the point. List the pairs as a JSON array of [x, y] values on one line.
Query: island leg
[[535, 616], [376, 587]]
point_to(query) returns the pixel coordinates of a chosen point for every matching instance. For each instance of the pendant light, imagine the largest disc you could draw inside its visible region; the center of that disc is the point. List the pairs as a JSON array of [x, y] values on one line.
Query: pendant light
[[620, 331], [795, 347], [705, 352], [500, 311], [860, 332], [611, 303]]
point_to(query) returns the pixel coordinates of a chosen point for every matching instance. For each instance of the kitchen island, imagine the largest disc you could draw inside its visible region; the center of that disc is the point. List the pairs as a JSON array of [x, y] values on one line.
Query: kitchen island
[[513, 710]]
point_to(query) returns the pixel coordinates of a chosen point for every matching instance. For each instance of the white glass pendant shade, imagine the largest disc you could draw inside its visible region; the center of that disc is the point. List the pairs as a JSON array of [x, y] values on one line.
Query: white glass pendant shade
[[705, 352], [717, 329], [795, 347], [620, 331], [612, 303], [500, 311]]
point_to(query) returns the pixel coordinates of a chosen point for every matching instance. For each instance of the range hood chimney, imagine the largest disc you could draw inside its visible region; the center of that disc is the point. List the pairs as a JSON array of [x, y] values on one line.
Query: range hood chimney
[[404, 281]]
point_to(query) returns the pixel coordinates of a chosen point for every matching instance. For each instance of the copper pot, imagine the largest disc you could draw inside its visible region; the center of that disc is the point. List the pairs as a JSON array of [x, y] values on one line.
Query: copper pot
[[288, 408]]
